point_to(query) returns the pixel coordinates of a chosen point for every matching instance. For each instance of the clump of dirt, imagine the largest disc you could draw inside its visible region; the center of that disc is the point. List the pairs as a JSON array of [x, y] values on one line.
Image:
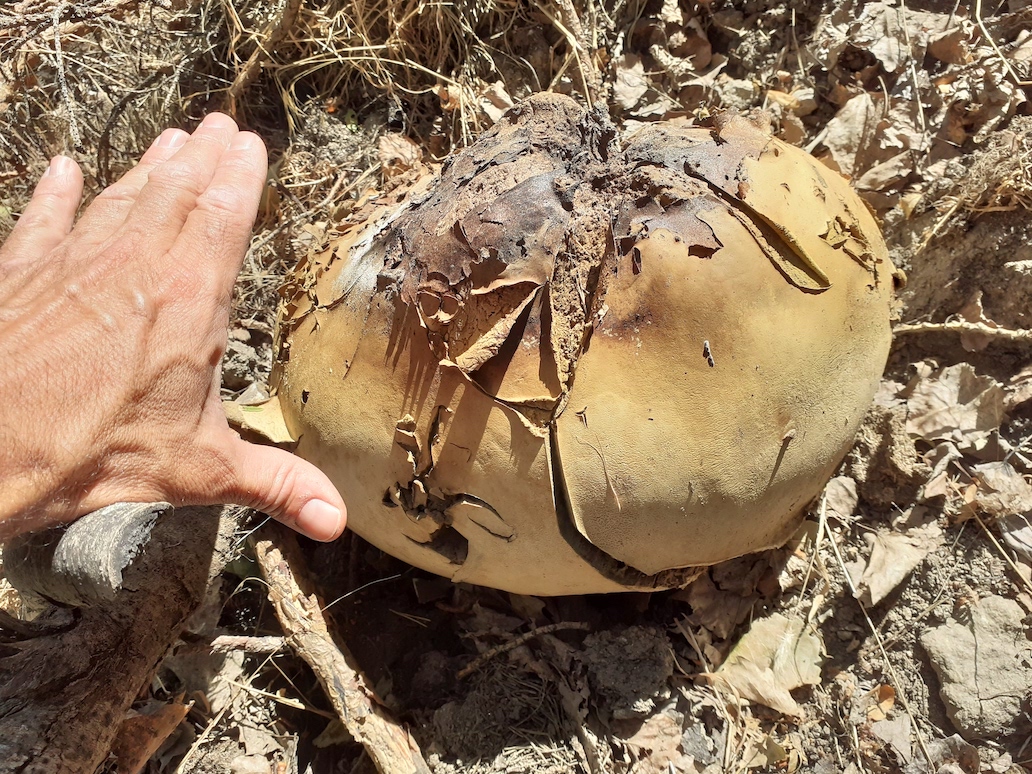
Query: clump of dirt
[[629, 669]]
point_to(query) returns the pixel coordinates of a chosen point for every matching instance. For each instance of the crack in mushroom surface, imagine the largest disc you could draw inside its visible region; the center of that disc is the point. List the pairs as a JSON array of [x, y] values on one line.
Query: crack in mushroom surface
[[576, 362]]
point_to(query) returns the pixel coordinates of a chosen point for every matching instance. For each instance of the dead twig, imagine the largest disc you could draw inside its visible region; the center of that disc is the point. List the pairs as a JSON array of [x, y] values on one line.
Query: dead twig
[[66, 96], [962, 326], [912, 67], [486, 656], [992, 42], [228, 643], [1003, 553], [390, 745], [896, 683], [580, 46]]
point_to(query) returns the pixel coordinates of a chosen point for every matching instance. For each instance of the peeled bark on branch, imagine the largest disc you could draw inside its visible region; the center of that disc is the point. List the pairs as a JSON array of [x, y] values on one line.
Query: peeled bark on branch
[[64, 694]]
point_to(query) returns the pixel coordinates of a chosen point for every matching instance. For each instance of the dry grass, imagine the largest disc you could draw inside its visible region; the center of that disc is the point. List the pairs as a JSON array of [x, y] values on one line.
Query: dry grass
[[320, 81]]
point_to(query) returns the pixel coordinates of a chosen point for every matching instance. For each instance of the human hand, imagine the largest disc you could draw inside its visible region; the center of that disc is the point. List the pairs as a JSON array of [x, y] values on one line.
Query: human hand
[[112, 331]]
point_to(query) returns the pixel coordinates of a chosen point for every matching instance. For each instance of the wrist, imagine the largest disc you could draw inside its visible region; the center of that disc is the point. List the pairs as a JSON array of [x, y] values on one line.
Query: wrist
[[27, 496]]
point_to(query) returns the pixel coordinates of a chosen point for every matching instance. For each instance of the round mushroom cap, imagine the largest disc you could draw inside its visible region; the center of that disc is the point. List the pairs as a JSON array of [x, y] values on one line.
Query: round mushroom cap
[[575, 363]]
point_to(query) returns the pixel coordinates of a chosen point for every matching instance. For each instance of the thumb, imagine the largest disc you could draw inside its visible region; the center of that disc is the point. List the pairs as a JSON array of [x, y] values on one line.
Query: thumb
[[287, 488]]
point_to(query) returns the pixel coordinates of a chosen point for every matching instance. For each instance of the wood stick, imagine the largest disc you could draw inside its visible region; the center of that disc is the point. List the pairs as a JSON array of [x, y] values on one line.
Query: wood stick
[[962, 326], [228, 643], [391, 746]]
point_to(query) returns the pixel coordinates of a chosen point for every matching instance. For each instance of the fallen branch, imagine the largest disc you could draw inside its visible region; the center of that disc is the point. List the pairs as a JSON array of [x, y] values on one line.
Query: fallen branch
[[229, 643], [389, 745], [65, 693], [486, 656]]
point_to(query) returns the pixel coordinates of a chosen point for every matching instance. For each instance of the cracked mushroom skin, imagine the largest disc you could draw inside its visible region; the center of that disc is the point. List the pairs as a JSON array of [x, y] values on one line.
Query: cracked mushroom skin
[[571, 363]]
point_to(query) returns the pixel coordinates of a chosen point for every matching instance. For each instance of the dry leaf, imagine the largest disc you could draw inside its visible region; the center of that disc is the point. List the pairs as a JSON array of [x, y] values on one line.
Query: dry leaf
[[1017, 533], [333, 734], [896, 734], [692, 44], [850, 131], [764, 752], [531, 608], [793, 131], [893, 34], [264, 419], [256, 738], [717, 610], [775, 656], [799, 564], [250, 764], [884, 697], [631, 84], [656, 743], [398, 155], [495, 100], [1019, 388], [887, 174], [955, 404], [952, 46], [211, 674], [1002, 491], [841, 499], [952, 755], [894, 555]]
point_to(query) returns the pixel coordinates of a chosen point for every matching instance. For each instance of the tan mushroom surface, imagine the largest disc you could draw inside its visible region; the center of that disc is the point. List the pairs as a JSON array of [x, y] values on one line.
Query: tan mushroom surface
[[574, 362]]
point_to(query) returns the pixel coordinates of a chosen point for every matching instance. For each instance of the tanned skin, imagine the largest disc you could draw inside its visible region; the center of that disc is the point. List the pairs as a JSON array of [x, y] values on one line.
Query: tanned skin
[[112, 329]]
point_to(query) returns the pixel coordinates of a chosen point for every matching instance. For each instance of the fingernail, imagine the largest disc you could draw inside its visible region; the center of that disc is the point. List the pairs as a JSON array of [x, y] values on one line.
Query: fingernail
[[244, 141], [319, 520], [171, 138], [60, 166], [218, 120]]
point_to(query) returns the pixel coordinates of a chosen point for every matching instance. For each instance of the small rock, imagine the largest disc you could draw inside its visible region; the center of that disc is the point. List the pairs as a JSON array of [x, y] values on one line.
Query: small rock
[[250, 764], [739, 94], [984, 664], [240, 365]]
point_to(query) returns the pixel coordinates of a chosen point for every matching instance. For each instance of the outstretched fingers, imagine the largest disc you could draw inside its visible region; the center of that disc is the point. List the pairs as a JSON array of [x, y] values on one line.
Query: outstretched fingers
[[106, 214], [217, 231], [170, 193]]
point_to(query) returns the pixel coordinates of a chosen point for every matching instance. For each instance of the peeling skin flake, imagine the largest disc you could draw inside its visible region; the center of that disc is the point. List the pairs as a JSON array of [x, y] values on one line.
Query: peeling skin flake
[[502, 370]]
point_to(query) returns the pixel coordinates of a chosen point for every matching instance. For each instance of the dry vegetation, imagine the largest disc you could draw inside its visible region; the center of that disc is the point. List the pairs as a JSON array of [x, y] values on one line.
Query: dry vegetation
[[893, 634]]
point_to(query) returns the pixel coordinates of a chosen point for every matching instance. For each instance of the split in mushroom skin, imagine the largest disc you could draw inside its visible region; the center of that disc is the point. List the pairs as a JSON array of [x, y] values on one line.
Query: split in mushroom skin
[[575, 363]]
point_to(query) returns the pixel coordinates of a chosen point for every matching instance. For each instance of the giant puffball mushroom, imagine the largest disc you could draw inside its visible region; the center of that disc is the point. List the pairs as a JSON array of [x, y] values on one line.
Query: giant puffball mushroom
[[572, 363]]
